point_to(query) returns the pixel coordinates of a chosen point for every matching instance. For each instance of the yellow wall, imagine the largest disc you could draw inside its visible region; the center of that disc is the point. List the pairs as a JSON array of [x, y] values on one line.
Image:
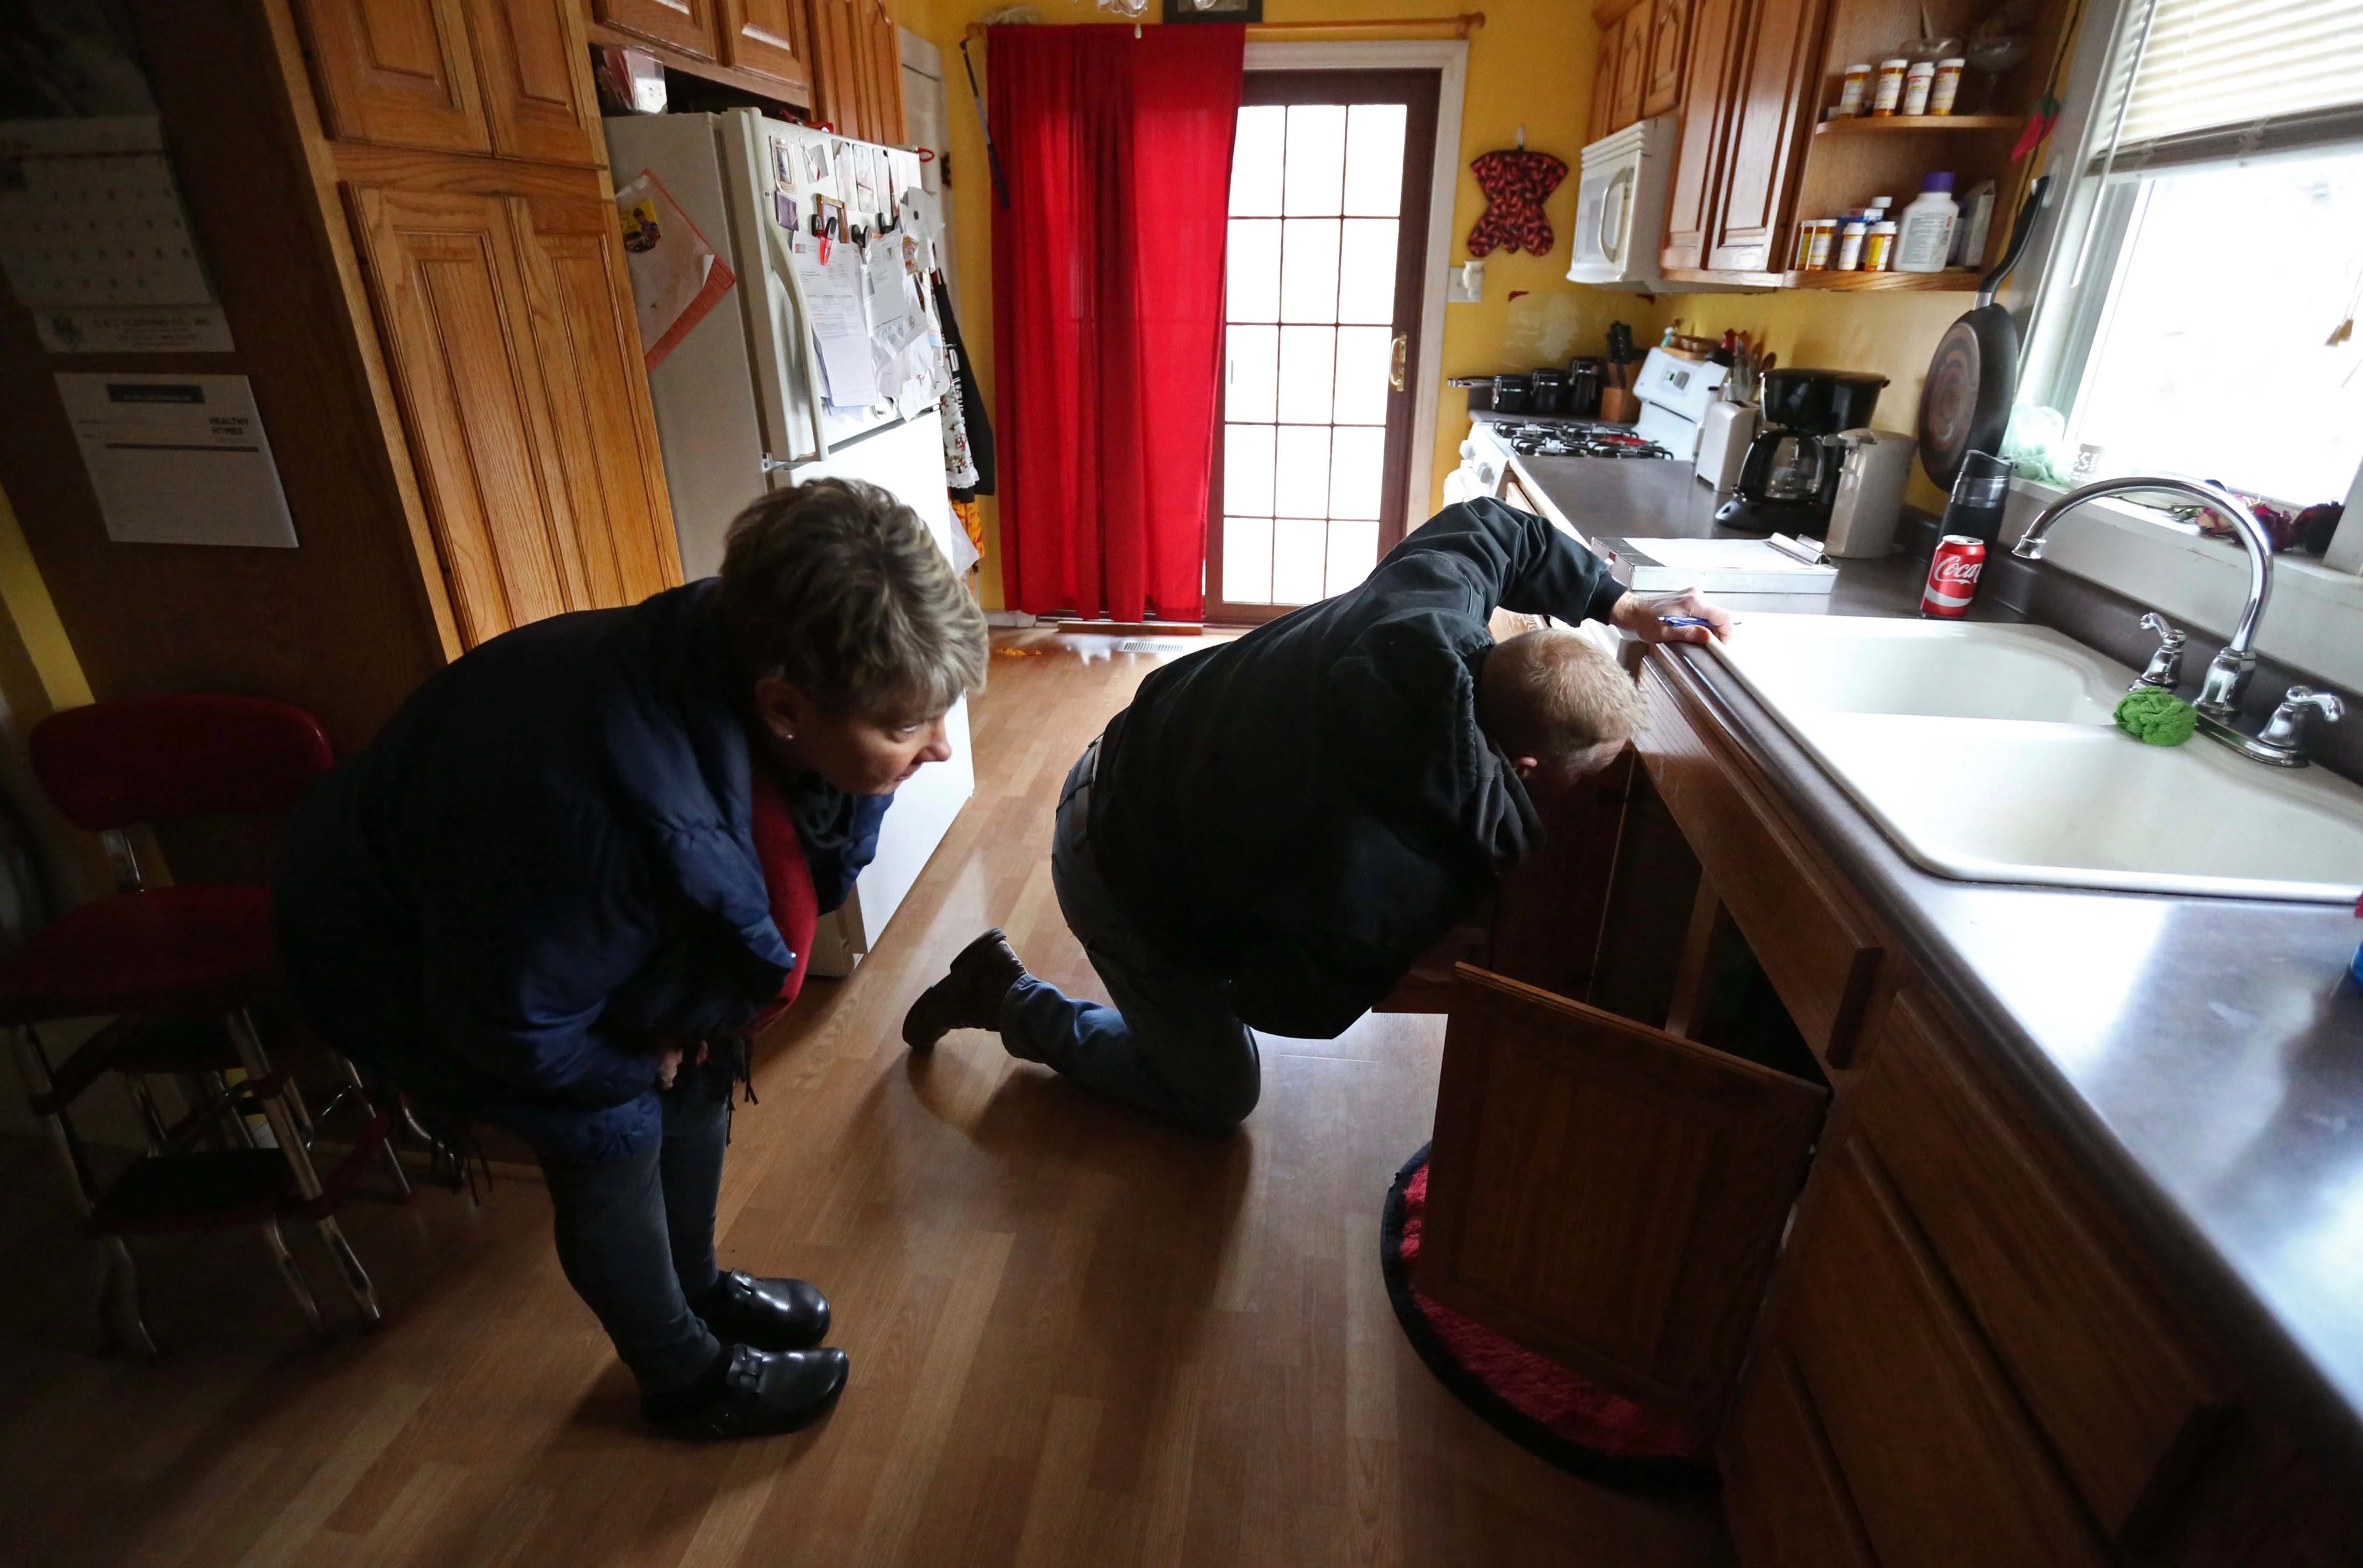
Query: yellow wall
[[1531, 64], [1890, 335], [39, 675]]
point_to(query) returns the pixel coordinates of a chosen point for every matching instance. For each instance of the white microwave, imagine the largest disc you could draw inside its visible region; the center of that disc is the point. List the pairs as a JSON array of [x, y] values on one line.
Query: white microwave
[[1619, 210]]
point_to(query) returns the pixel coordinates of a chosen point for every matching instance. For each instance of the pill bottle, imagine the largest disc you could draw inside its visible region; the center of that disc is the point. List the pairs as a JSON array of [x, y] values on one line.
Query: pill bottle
[[1878, 247], [1918, 79], [1888, 91], [1849, 252], [1946, 89], [1857, 88]]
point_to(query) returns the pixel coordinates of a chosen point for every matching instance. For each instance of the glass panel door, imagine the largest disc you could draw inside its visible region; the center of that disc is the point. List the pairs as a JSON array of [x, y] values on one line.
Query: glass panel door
[[1328, 224]]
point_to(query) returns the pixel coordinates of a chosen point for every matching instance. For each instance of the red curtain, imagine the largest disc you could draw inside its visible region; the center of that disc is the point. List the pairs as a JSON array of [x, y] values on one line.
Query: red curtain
[[1107, 307]]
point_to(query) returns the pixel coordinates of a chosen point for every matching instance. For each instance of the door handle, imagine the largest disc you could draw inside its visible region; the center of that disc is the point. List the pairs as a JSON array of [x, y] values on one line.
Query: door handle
[[1402, 350]]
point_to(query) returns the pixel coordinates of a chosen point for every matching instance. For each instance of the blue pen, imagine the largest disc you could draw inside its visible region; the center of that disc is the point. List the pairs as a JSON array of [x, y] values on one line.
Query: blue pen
[[1684, 621]]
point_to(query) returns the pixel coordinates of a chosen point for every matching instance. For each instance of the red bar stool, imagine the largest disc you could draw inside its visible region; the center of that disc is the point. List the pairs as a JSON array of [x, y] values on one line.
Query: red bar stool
[[180, 970]]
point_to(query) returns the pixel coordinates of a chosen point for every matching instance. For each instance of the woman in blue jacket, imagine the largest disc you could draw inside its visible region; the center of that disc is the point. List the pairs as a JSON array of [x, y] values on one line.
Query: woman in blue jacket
[[581, 865]]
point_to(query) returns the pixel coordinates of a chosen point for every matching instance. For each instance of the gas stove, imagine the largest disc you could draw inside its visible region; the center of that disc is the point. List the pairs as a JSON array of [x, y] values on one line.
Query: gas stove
[[1571, 438]]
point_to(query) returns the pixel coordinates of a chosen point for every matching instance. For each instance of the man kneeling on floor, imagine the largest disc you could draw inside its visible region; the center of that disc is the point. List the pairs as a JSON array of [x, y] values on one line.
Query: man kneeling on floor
[[1277, 827]]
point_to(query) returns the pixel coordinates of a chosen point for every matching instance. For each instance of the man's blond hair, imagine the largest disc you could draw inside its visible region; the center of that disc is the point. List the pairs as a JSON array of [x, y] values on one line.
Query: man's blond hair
[[1554, 695]]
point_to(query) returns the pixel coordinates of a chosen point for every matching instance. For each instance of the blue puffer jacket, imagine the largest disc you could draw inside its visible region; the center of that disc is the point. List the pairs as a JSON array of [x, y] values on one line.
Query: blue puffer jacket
[[543, 868]]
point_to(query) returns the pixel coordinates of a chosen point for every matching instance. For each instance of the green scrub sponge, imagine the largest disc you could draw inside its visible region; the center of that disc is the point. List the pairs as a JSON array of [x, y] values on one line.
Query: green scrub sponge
[[2159, 717]]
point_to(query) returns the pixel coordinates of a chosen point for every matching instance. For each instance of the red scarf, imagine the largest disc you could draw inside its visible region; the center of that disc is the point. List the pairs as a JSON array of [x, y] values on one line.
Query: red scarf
[[795, 909]]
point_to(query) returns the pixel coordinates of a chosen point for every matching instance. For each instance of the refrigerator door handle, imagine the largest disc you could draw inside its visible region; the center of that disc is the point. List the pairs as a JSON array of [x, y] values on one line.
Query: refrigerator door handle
[[812, 395], [772, 465]]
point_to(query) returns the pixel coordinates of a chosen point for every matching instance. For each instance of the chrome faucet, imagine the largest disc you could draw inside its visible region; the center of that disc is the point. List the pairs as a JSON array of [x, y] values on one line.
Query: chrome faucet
[[2228, 672], [2282, 740]]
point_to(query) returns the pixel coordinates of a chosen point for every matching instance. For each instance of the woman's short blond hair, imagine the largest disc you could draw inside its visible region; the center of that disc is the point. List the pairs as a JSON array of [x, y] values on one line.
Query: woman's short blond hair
[[839, 588], [1554, 695]]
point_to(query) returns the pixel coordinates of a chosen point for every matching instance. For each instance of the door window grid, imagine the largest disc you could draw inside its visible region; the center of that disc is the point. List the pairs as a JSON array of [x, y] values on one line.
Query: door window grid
[[1309, 300]]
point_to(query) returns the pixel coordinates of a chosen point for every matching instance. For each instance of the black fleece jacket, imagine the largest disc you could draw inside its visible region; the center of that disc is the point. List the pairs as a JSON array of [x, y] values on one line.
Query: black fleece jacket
[[1308, 809]]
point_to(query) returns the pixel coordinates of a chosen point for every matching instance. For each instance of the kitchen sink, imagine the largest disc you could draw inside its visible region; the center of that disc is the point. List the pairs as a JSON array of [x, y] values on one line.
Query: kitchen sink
[[1850, 663], [1986, 753]]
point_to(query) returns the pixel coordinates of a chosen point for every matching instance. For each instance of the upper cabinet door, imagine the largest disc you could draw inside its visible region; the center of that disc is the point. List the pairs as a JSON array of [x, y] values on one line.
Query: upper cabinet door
[[538, 91], [1604, 83], [449, 285], [1771, 119], [686, 25], [856, 68], [1717, 28], [1662, 89], [770, 38], [1608, 1193], [1632, 65], [396, 72]]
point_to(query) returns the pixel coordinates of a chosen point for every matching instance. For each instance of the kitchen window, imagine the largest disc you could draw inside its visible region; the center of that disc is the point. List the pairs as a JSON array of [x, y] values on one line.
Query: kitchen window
[[2197, 310]]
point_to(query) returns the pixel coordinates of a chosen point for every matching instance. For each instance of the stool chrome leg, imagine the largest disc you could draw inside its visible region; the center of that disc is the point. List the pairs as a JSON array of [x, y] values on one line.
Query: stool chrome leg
[[123, 1300], [292, 1277], [356, 1278]]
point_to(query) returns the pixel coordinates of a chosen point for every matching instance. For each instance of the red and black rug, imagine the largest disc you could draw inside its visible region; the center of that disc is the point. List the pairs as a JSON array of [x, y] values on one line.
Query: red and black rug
[[1535, 1402]]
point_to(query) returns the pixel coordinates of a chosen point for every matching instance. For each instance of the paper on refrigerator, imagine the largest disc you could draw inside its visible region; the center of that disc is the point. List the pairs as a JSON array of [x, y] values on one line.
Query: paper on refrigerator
[[677, 277], [840, 326]]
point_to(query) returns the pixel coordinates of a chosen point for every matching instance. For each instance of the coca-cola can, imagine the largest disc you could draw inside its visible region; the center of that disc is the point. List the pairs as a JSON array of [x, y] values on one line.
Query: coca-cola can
[[1953, 577]]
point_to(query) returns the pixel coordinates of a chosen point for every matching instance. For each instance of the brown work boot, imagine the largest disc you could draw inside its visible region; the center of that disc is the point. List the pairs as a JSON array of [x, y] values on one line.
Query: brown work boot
[[970, 994]]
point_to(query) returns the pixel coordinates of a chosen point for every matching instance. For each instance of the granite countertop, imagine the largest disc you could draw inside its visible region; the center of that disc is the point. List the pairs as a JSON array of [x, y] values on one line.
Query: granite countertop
[[2201, 1058]]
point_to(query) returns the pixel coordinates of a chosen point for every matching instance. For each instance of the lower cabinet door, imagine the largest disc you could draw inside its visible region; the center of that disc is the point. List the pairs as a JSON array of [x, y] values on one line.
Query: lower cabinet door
[[1941, 1461], [1782, 1493], [1608, 1194]]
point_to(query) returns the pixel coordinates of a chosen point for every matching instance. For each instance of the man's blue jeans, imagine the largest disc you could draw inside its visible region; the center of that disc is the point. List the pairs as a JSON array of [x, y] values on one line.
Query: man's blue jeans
[[1171, 1044], [636, 1235]]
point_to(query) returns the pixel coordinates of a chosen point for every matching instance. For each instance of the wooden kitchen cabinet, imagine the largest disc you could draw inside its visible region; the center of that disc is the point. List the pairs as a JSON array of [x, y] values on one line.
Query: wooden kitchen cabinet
[[1717, 30], [1603, 81], [1771, 119], [402, 72], [770, 38], [497, 76], [1621, 83], [689, 25], [1661, 89], [1608, 1193], [1632, 67], [857, 70], [537, 464], [1939, 1456]]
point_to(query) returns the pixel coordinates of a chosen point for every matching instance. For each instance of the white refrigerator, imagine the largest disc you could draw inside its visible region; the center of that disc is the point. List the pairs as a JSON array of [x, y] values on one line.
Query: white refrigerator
[[741, 403]]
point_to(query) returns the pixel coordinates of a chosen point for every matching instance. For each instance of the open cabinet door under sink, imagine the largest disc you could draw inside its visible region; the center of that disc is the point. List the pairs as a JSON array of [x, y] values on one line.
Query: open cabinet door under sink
[[1608, 1194]]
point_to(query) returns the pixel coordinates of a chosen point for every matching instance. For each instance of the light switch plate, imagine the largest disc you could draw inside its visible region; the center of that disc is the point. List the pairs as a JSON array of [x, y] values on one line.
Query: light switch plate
[[1464, 285]]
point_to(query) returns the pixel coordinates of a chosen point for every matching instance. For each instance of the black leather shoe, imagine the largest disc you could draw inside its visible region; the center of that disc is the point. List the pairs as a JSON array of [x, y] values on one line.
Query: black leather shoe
[[758, 1393], [968, 996], [769, 1314]]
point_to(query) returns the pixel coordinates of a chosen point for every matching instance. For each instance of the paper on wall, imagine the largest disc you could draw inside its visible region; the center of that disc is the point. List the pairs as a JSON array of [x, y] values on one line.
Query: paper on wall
[[178, 459], [90, 215], [182, 329], [840, 326]]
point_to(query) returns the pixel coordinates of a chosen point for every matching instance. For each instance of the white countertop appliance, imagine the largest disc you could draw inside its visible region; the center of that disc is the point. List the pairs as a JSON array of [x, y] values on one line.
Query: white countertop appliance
[[1873, 468], [740, 406], [1675, 394]]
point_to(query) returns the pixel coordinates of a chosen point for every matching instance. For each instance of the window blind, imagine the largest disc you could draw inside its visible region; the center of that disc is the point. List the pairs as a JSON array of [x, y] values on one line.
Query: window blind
[[2235, 66]]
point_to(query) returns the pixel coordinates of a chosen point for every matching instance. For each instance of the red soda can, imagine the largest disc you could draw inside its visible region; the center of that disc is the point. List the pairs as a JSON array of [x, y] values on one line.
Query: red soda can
[[1953, 577]]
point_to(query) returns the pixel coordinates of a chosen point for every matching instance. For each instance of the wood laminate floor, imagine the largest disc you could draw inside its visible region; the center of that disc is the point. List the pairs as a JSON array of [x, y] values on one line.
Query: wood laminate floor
[[1078, 1337]]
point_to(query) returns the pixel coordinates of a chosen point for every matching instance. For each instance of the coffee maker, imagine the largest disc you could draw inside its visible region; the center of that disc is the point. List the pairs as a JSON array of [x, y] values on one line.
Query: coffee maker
[[1790, 477]]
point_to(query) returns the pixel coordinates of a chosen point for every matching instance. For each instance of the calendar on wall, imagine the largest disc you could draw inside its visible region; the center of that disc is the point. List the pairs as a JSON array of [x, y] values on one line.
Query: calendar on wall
[[90, 215]]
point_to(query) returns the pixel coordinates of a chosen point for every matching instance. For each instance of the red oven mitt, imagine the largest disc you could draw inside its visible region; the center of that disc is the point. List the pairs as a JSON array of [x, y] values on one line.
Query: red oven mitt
[[1515, 186]]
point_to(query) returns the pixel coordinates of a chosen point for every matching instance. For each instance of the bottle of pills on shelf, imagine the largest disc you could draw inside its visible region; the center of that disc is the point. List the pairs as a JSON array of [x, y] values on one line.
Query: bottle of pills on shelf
[[1857, 88], [1850, 237], [1887, 92], [1878, 245], [1824, 236], [1919, 78], [1923, 233], [1946, 89]]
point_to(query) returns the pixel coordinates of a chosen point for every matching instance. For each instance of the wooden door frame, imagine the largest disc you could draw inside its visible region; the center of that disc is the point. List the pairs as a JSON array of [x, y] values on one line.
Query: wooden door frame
[[1449, 59]]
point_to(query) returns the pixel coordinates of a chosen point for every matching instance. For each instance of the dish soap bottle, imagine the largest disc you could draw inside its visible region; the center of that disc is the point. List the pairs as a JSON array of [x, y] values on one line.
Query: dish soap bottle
[[1925, 230]]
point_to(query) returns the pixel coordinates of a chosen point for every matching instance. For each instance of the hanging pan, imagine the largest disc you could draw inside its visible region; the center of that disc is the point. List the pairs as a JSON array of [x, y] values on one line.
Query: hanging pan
[[1965, 403]]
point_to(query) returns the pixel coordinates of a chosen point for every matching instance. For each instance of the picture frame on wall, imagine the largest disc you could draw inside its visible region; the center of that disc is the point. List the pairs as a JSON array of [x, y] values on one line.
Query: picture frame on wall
[[1214, 10]]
